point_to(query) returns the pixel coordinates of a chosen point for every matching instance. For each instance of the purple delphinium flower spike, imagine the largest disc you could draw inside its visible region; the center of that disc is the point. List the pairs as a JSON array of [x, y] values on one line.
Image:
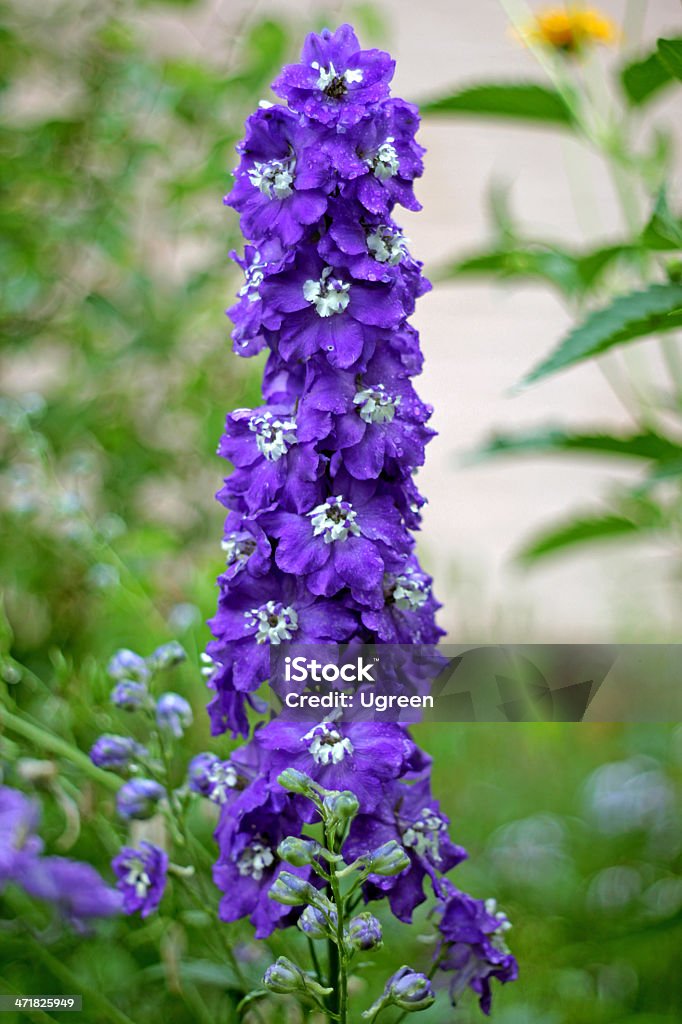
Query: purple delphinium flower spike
[[141, 877], [321, 500]]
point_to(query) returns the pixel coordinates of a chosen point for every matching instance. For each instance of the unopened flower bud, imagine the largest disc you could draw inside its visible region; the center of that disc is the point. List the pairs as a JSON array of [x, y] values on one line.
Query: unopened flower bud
[[342, 806], [316, 924], [173, 713], [298, 852], [364, 932], [116, 753], [167, 656], [126, 664], [407, 989], [388, 859], [410, 990], [284, 977], [292, 890], [130, 694], [138, 798], [296, 782]]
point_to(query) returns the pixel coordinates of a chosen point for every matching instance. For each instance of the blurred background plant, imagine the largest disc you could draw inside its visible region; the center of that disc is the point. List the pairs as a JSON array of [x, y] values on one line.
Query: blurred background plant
[[118, 135], [618, 293]]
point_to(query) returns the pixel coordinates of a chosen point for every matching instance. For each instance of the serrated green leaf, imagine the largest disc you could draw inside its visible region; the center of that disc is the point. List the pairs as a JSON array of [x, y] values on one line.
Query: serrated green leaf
[[585, 529], [636, 315], [664, 230], [645, 445], [523, 101], [670, 55], [644, 78]]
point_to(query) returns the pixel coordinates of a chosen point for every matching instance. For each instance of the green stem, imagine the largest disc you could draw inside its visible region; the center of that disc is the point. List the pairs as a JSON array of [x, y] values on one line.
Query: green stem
[[342, 999], [44, 740]]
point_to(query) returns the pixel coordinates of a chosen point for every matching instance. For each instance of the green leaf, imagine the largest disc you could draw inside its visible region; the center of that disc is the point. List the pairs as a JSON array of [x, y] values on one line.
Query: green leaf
[[670, 56], [644, 78], [636, 315], [664, 230], [645, 445], [521, 101], [584, 529], [571, 273]]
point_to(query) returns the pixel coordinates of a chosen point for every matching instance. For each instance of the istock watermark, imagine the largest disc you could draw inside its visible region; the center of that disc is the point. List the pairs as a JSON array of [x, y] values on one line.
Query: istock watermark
[[485, 683]]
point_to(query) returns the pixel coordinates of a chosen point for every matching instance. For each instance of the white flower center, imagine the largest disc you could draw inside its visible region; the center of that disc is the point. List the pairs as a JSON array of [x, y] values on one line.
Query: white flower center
[[274, 622], [223, 777], [273, 437], [137, 877], [238, 548], [329, 295], [409, 592], [423, 835], [254, 861], [209, 666], [254, 275], [497, 938], [326, 744], [385, 162], [334, 520], [387, 245], [332, 83], [274, 178], [375, 405]]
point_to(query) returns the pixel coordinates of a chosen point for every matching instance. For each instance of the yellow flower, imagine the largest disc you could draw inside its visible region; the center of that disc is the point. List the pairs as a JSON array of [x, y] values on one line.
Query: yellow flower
[[570, 29]]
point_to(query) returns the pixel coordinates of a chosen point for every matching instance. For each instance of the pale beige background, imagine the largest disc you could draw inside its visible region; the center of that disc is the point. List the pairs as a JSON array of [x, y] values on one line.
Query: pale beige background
[[479, 338]]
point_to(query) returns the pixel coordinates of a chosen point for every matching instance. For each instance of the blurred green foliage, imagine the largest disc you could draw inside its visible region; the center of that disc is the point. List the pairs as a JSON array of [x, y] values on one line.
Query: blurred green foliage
[[118, 138], [618, 292]]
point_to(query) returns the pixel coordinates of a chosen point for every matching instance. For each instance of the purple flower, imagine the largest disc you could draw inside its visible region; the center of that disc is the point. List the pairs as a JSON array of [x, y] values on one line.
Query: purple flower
[[409, 815], [473, 946], [248, 862], [117, 753], [138, 798], [126, 664], [268, 611], [18, 823], [77, 890], [380, 159], [336, 82], [246, 548], [323, 308], [141, 877], [359, 756], [377, 421], [173, 714], [130, 694], [348, 540], [283, 177], [270, 463], [198, 773]]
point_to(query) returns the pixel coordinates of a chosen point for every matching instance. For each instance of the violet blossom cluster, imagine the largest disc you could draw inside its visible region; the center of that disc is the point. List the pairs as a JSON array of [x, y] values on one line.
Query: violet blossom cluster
[[322, 503]]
